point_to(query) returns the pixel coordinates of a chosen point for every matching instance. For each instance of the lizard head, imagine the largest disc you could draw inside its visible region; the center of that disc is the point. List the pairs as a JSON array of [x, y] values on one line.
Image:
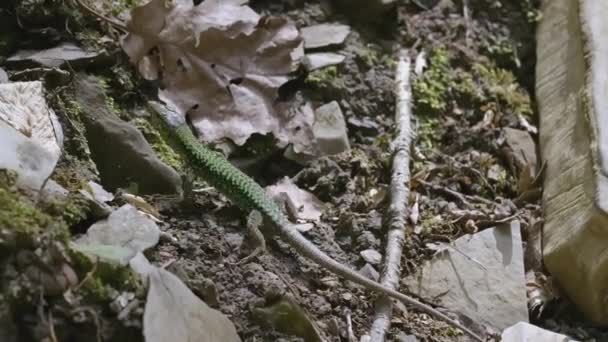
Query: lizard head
[[169, 113]]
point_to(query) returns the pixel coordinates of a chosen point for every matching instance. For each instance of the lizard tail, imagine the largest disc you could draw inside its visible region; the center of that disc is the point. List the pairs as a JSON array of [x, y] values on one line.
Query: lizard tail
[[307, 249]]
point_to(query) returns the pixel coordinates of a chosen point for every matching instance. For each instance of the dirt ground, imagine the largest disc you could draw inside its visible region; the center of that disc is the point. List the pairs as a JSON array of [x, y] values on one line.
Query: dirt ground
[[478, 80]]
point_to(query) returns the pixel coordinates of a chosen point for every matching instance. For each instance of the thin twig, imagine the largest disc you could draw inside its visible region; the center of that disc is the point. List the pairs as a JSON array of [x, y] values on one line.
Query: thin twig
[[467, 22], [52, 327], [88, 276], [114, 22], [397, 213]]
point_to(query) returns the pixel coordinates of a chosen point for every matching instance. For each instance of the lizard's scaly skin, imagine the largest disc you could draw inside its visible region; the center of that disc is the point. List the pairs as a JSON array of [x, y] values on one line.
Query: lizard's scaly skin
[[248, 195]]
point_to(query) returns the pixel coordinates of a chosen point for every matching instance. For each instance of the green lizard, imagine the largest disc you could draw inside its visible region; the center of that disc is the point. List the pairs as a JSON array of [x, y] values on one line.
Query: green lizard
[[250, 196]]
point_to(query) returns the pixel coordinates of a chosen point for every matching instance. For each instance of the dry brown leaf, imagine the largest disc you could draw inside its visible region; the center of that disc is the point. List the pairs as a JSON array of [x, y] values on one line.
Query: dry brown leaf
[[220, 62], [309, 207]]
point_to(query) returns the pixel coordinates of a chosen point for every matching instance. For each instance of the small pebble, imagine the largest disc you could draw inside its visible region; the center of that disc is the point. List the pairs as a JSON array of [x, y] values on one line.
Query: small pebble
[[371, 256], [370, 272]]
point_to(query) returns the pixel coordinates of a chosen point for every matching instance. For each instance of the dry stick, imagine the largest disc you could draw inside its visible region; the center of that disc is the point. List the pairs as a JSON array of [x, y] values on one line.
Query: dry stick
[[399, 193], [114, 22]]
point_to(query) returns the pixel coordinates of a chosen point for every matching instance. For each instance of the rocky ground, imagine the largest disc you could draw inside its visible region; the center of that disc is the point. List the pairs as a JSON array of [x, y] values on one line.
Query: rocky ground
[[471, 105]]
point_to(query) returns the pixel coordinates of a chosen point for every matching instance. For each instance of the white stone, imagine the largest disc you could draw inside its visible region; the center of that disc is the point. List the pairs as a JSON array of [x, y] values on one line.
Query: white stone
[[322, 35], [330, 130], [318, 60], [524, 332], [371, 256]]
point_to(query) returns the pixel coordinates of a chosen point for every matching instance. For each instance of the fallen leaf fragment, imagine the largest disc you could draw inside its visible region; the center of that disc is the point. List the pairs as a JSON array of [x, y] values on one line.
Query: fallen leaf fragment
[[23, 106], [174, 313], [220, 62], [308, 206]]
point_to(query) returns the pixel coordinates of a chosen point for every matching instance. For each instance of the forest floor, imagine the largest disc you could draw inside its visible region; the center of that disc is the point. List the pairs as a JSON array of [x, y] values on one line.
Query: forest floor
[[478, 81]]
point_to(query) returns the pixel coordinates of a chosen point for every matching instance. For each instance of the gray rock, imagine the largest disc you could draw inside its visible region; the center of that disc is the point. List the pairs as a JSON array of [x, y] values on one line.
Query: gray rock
[[371, 256], [120, 151], [482, 277], [521, 149], [365, 125], [323, 35], [32, 163], [53, 191], [366, 240], [329, 129], [318, 60], [3, 76]]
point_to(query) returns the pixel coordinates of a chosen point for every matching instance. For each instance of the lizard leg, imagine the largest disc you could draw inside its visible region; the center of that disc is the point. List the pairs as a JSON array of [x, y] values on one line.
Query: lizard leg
[[254, 221], [255, 225]]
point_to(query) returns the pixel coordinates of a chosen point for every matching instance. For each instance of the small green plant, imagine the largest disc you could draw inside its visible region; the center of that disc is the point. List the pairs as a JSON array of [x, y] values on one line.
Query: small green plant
[[431, 89]]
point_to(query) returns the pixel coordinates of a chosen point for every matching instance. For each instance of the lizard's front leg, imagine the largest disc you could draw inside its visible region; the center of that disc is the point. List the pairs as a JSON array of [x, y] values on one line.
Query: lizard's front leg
[[254, 222]]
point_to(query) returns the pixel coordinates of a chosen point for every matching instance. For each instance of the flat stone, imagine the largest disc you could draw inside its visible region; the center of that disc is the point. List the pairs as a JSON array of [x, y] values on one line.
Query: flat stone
[[371, 256], [54, 57], [323, 35], [330, 130], [318, 60], [481, 276], [525, 332]]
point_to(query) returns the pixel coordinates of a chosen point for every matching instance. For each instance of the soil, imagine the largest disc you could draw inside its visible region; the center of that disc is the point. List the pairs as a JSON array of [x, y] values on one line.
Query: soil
[[471, 61]]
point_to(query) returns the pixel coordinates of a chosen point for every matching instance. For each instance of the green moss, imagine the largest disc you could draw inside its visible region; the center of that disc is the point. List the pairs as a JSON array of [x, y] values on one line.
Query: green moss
[[369, 57], [161, 141], [323, 77], [500, 85], [431, 224], [431, 89], [120, 6], [427, 132], [482, 84], [75, 209], [21, 223], [19, 216], [104, 277]]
